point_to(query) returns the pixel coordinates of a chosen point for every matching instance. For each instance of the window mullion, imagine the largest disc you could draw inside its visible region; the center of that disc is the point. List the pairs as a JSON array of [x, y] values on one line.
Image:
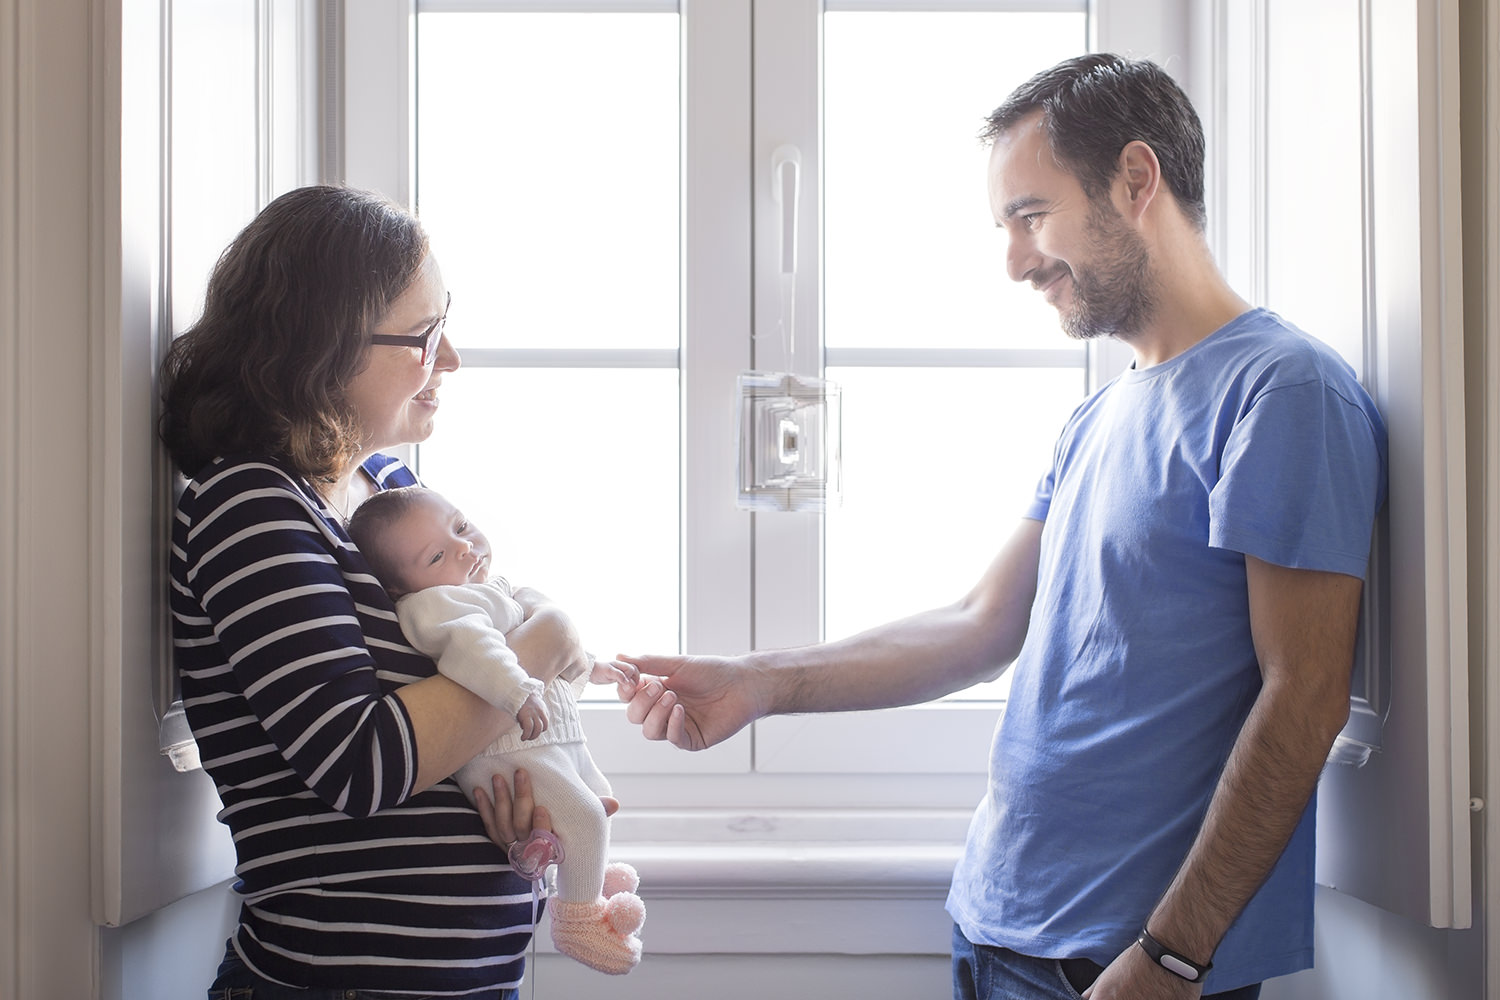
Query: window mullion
[[379, 97], [716, 316], [788, 588]]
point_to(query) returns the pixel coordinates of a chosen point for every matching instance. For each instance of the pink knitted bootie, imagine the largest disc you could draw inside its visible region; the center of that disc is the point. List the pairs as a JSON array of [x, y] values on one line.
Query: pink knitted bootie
[[601, 934], [620, 877]]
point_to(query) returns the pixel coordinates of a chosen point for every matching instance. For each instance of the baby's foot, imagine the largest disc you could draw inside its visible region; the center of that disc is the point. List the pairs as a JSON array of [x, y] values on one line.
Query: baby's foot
[[620, 877], [601, 934]]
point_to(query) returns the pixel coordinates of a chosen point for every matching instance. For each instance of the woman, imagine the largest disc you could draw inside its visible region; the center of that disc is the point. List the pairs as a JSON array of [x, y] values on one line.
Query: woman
[[329, 738]]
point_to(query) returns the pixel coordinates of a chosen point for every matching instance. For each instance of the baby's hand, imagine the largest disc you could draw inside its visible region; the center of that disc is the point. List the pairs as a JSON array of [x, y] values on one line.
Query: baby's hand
[[623, 675], [532, 717]]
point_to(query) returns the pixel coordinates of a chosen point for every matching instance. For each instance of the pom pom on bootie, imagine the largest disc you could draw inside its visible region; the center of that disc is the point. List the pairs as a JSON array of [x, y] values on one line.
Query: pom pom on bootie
[[620, 877], [601, 934]]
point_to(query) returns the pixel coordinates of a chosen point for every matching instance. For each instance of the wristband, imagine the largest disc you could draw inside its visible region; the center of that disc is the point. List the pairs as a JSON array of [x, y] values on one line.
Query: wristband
[[1174, 962]]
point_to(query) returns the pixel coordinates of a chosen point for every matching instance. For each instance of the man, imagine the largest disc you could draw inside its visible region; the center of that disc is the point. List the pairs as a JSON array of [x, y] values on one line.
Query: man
[[1180, 599]]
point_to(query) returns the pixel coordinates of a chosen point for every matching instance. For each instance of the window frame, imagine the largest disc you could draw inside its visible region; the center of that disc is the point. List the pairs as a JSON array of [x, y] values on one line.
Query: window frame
[[766, 568]]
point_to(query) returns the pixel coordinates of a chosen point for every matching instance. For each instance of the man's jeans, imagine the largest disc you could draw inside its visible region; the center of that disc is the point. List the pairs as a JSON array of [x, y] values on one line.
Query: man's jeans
[[981, 972]]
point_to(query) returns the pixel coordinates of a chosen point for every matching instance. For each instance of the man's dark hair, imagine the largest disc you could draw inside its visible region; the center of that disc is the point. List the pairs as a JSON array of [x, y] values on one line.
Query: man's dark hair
[[1094, 105]]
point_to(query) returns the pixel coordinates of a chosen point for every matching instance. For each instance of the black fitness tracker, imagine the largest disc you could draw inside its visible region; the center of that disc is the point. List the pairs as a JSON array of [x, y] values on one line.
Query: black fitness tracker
[[1173, 962]]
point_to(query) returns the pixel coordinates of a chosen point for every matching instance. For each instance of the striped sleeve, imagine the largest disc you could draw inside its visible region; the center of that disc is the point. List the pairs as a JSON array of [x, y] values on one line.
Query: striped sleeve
[[261, 564]]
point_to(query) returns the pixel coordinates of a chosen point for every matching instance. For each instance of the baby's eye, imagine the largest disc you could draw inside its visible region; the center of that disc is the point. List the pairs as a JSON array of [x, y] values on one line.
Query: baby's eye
[[437, 557], [463, 526]]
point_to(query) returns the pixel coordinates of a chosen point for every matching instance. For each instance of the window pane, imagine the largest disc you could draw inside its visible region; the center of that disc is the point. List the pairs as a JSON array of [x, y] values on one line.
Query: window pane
[[213, 142], [547, 174], [912, 254], [1315, 273], [939, 464], [572, 473]]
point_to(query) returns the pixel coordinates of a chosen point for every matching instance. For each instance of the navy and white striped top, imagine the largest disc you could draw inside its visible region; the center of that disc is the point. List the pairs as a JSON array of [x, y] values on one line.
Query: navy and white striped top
[[290, 656]]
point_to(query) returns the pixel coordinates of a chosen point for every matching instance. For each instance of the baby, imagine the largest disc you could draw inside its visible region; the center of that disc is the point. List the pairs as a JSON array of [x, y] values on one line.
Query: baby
[[435, 564]]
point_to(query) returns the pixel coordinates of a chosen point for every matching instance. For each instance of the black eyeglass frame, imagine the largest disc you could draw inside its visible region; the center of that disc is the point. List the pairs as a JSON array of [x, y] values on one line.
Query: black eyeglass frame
[[427, 340]]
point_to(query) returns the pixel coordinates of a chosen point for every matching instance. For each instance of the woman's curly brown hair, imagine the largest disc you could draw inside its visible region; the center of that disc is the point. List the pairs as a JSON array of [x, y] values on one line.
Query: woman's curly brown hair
[[285, 327]]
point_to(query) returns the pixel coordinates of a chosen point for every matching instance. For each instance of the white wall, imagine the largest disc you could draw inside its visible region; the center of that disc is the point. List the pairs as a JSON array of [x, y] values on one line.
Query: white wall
[[1367, 954]]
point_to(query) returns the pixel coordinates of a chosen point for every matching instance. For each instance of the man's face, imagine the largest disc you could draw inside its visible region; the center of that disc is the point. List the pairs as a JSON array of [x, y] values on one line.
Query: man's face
[[1079, 253]]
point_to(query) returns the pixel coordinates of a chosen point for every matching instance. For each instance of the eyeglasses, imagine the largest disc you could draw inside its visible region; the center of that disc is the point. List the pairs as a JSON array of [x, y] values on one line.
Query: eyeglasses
[[427, 340]]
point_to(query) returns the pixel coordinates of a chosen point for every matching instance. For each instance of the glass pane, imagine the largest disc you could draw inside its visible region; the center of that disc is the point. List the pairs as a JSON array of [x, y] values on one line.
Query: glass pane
[[572, 473], [212, 143], [912, 254], [939, 464], [1315, 274], [547, 175]]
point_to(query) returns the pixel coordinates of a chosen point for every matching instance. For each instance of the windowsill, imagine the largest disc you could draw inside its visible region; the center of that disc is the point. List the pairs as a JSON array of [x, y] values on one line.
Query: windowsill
[[791, 882], [804, 853], [794, 871]]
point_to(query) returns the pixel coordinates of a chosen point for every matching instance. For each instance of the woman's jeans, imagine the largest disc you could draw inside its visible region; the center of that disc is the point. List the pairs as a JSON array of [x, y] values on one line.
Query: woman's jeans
[[981, 972], [236, 982]]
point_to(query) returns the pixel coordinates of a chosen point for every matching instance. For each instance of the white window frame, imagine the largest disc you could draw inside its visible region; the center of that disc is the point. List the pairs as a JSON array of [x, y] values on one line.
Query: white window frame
[[832, 779]]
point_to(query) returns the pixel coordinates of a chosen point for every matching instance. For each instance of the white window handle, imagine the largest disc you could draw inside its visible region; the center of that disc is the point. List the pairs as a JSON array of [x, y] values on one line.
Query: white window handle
[[786, 179], [786, 176]]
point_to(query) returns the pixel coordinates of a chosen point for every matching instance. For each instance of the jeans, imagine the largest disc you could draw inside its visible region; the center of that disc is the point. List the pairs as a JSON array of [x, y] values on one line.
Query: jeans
[[236, 982], [981, 972]]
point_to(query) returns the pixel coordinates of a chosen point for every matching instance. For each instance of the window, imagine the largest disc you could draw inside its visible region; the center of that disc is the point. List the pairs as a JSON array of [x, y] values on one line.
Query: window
[[596, 180]]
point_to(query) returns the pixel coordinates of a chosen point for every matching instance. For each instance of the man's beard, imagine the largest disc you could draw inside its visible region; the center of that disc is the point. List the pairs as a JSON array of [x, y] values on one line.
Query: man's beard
[[1115, 293]]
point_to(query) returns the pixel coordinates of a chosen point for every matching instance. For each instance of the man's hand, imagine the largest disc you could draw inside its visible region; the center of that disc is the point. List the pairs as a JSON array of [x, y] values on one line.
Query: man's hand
[[694, 702]]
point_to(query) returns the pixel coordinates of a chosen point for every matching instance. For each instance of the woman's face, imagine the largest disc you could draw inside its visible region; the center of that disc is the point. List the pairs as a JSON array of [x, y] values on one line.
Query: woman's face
[[395, 396]]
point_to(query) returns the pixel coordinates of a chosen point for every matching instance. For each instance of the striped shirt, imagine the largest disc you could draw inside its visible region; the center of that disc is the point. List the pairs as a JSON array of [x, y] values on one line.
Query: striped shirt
[[290, 656]]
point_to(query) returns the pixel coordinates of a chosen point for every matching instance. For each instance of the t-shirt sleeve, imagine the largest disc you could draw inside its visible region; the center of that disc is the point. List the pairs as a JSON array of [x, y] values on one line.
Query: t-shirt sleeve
[[1302, 476], [1041, 497]]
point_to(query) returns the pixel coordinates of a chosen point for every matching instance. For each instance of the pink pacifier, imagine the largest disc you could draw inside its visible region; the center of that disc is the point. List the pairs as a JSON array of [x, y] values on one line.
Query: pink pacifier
[[530, 857]]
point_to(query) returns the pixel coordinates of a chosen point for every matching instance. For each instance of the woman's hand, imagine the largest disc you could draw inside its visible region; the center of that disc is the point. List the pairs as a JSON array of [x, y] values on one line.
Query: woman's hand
[[508, 818]]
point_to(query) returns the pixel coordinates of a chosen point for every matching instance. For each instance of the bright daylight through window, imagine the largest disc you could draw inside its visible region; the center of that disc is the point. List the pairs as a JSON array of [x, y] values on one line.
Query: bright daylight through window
[[548, 173]]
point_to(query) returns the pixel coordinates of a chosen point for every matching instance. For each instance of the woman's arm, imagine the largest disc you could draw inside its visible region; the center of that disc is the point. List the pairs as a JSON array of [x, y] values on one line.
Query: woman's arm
[[450, 725]]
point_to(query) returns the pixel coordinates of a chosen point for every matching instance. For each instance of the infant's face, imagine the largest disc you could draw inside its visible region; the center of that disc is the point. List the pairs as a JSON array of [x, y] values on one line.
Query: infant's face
[[433, 543]]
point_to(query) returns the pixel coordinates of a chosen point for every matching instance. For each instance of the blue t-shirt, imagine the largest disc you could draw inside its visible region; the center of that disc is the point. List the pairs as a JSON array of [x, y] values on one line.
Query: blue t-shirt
[[1138, 668]]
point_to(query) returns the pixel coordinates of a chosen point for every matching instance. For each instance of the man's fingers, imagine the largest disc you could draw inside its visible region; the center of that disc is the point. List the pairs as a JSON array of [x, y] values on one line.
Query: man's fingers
[[655, 725], [677, 729], [644, 700]]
